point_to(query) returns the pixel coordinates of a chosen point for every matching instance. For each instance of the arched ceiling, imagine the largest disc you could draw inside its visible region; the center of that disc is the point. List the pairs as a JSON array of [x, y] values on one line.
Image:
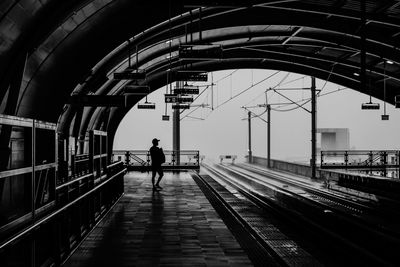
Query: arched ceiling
[[52, 49]]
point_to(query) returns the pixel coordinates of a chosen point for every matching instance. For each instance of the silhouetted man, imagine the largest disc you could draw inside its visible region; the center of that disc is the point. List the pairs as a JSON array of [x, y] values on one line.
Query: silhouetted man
[[157, 158]]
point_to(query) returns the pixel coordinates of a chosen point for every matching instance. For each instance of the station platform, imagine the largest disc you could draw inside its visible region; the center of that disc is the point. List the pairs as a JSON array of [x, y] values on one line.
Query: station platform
[[176, 226]]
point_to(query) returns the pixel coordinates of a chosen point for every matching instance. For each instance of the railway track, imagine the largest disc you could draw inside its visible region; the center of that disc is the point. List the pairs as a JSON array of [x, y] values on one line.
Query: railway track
[[339, 192], [364, 210], [265, 244], [339, 220]]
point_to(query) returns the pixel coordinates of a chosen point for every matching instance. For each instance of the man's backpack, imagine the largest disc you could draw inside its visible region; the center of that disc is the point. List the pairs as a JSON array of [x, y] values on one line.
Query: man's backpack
[[162, 156]]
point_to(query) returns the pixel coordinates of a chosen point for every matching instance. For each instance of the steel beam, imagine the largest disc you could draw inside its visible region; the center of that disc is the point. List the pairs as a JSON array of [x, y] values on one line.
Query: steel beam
[[269, 136], [176, 130], [249, 124], [313, 128]]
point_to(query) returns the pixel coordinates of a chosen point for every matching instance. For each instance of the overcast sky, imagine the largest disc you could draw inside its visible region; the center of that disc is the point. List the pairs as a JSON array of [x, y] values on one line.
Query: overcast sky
[[222, 131]]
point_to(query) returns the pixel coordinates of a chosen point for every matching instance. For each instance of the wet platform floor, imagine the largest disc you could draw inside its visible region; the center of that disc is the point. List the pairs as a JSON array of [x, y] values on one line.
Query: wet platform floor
[[176, 226]]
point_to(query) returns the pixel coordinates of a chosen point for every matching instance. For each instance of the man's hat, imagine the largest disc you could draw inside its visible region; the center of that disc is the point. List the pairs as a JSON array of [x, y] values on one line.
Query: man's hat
[[155, 140]]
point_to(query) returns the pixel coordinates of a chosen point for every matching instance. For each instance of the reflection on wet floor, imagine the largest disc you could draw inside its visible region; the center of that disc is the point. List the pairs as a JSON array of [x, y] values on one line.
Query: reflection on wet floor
[[172, 227]]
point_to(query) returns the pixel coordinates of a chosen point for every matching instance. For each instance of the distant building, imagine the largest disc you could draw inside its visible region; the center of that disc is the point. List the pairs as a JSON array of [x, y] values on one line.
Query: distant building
[[334, 139]]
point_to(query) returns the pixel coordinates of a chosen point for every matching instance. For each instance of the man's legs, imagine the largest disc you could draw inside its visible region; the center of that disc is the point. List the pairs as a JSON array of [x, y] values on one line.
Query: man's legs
[[161, 174], [154, 171]]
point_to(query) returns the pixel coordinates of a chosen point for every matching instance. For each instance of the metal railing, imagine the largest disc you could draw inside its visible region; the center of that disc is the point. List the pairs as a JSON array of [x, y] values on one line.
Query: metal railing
[[67, 225], [140, 160], [369, 161], [50, 199]]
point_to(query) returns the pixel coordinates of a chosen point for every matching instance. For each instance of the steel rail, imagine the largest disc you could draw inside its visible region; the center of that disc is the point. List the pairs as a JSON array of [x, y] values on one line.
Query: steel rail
[[299, 218], [338, 204]]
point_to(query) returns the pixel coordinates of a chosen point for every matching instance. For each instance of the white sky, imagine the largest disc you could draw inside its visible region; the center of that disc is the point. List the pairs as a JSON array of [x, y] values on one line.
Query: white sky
[[223, 132]]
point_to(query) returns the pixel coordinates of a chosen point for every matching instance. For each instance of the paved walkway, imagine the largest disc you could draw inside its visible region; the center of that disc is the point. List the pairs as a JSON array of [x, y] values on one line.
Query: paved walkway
[[176, 226]]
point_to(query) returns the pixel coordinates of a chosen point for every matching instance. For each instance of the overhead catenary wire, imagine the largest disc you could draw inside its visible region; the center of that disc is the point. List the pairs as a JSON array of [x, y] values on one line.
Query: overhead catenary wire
[[226, 76], [233, 97], [294, 108], [231, 85], [262, 113], [203, 104], [208, 86], [294, 80], [254, 115], [294, 103], [195, 118], [192, 111], [279, 83], [247, 89], [258, 96], [327, 80], [307, 100]]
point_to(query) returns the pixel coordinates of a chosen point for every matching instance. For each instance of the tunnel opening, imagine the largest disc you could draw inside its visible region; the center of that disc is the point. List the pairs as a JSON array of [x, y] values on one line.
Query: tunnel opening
[[61, 104]]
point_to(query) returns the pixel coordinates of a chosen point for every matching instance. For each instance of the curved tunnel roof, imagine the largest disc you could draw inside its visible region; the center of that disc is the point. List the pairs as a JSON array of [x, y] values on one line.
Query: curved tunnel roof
[[52, 49]]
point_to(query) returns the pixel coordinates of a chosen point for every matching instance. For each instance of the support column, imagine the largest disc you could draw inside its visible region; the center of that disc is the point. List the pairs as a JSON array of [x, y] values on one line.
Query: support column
[[313, 129], [176, 132], [269, 136], [250, 153]]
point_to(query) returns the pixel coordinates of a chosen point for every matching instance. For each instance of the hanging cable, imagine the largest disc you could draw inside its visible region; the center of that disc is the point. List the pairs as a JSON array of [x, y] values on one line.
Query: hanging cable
[[255, 98], [217, 92], [283, 79], [231, 85], [195, 118], [229, 75], [254, 115], [295, 80], [268, 89], [245, 90], [308, 100], [192, 111], [204, 90], [252, 77], [294, 108], [326, 81]]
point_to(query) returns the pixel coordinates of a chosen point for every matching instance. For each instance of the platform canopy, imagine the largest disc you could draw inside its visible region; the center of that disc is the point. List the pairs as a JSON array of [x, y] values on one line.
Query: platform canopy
[[50, 50]]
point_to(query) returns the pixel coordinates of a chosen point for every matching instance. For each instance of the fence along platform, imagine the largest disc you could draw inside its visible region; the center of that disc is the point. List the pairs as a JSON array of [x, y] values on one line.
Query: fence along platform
[[140, 160], [53, 190]]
